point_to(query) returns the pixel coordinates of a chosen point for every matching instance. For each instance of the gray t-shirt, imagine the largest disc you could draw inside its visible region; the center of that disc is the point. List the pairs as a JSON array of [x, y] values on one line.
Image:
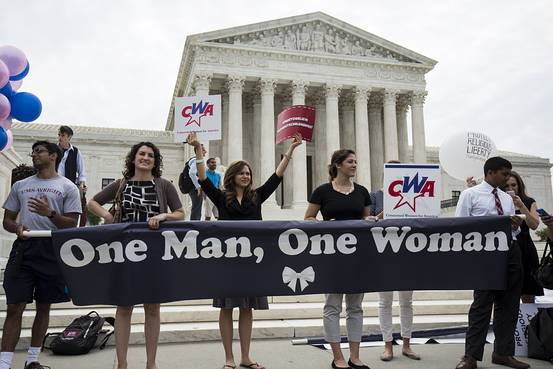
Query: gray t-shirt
[[63, 197]]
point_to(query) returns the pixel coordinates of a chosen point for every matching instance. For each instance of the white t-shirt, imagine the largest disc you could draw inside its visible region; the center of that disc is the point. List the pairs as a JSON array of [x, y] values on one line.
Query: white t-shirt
[[63, 197]]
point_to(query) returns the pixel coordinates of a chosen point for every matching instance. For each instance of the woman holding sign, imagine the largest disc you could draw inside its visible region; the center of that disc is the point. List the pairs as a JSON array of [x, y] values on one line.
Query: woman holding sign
[[526, 205], [142, 196], [239, 201], [342, 199]]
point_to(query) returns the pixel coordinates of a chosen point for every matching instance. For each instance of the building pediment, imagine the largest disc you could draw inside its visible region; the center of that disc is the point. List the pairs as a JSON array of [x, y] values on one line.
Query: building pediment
[[313, 33]]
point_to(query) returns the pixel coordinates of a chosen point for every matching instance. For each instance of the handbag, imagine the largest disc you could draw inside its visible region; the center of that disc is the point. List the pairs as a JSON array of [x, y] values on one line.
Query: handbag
[[540, 335], [544, 273], [116, 210]]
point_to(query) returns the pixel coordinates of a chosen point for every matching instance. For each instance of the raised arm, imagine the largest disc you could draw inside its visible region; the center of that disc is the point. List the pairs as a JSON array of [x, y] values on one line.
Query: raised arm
[[192, 140], [296, 141]]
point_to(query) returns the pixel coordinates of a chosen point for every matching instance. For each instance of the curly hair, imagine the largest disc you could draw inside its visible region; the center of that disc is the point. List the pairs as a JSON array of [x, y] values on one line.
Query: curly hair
[[129, 160], [22, 171], [230, 188]]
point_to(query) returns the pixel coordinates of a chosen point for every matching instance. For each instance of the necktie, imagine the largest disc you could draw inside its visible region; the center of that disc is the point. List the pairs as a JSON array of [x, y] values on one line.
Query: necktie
[[498, 206]]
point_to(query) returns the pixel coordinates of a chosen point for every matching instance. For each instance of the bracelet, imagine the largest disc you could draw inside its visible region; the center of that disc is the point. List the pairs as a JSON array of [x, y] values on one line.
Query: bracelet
[[200, 161], [287, 156]]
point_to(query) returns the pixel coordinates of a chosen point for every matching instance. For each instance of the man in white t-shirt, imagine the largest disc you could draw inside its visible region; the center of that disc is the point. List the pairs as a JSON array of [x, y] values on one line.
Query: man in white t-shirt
[[44, 201]]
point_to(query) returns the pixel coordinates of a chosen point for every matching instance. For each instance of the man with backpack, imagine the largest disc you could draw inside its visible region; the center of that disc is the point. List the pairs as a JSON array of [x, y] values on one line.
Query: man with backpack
[[188, 184], [44, 201]]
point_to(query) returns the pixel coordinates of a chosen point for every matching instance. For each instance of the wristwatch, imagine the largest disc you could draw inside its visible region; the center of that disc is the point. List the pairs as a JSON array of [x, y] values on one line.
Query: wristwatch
[[52, 214]]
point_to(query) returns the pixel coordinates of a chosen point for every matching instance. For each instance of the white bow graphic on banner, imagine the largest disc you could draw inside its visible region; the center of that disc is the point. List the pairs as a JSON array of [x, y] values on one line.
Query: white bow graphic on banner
[[290, 276]]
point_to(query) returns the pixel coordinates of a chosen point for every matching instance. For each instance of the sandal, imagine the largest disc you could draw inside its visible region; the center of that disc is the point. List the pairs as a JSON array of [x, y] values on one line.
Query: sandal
[[229, 366], [252, 366]]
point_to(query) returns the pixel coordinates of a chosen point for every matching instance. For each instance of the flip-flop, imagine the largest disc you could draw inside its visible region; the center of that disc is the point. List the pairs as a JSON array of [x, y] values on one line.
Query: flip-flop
[[229, 366], [252, 366]]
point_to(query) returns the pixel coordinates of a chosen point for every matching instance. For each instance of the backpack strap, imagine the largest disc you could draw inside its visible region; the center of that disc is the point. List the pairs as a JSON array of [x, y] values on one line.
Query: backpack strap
[[53, 334], [111, 321]]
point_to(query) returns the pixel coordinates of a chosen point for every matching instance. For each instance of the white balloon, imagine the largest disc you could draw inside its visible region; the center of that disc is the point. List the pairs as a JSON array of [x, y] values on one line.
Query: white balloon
[[463, 154]]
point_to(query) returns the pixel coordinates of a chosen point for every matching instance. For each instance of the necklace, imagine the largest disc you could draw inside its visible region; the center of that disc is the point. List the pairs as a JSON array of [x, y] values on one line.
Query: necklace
[[343, 190]]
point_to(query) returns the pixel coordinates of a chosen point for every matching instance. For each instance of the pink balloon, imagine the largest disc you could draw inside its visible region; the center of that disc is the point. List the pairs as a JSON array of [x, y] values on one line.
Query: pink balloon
[[10, 141], [16, 84], [15, 59], [4, 74], [6, 124], [5, 107]]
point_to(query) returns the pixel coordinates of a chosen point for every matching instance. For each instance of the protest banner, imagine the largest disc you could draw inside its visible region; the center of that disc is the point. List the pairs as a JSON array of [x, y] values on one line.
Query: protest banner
[[127, 264]]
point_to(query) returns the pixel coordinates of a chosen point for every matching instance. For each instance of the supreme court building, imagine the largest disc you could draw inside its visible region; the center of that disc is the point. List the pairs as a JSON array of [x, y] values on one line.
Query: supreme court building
[[361, 85], [367, 92]]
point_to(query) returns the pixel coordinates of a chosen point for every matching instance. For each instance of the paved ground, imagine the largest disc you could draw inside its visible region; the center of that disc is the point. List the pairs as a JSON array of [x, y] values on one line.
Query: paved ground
[[274, 354]]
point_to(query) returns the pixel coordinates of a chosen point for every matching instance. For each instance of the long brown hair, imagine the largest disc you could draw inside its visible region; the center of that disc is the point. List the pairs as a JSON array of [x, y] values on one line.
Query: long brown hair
[[230, 188], [338, 158], [520, 184]]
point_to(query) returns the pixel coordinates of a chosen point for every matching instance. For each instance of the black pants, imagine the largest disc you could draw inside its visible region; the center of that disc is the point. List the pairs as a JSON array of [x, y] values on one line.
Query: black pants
[[196, 211], [505, 307]]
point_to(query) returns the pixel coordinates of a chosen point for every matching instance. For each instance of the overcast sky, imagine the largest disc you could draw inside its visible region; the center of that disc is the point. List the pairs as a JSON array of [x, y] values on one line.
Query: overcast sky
[[114, 63]]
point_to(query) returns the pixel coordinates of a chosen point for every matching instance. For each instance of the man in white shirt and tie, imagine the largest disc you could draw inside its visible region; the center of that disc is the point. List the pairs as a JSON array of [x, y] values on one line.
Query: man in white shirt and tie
[[487, 199]]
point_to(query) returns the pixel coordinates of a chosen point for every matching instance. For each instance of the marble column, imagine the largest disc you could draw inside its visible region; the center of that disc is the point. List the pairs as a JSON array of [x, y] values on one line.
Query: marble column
[[391, 151], [362, 140], [332, 134], [235, 84], [321, 158], [347, 123], [225, 127], [299, 160], [401, 116], [267, 129], [417, 121], [201, 86], [256, 149], [376, 141]]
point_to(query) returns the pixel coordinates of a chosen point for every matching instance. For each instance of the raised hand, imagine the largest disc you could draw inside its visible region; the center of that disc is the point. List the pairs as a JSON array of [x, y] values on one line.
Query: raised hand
[[471, 182], [296, 141], [192, 140]]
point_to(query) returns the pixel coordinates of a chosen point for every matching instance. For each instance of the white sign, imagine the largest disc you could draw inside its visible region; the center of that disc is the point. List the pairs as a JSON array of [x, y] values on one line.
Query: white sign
[[200, 114], [525, 314], [412, 190]]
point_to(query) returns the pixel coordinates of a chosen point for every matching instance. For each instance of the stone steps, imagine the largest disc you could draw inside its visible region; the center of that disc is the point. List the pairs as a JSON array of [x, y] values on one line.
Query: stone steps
[[373, 296], [278, 311], [285, 328]]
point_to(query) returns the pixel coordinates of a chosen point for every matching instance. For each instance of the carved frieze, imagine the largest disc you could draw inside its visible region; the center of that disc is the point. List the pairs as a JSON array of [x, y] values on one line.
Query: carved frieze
[[316, 37]]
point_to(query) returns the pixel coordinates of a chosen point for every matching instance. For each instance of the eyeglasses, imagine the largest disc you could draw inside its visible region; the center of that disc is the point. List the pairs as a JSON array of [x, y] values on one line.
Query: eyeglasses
[[37, 152]]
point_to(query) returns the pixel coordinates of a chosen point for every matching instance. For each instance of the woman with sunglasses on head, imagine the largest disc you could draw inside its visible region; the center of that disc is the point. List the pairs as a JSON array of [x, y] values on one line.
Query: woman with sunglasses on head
[[342, 199], [144, 197], [526, 205], [239, 201]]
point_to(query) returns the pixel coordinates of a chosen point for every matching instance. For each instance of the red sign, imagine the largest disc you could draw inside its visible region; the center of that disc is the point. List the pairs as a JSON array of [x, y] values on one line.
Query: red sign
[[296, 118]]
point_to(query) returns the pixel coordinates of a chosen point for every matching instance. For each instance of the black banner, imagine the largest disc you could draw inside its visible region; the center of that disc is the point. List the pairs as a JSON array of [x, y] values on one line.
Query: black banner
[[127, 264]]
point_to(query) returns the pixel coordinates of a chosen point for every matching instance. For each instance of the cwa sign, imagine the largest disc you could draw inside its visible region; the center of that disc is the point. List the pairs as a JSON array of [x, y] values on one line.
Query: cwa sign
[[411, 190], [200, 114]]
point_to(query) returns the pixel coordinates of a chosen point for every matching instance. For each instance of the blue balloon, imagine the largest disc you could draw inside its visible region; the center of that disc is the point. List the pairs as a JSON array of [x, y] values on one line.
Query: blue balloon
[[3, 139], [26, 107], [7, 90], [21, 75]]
